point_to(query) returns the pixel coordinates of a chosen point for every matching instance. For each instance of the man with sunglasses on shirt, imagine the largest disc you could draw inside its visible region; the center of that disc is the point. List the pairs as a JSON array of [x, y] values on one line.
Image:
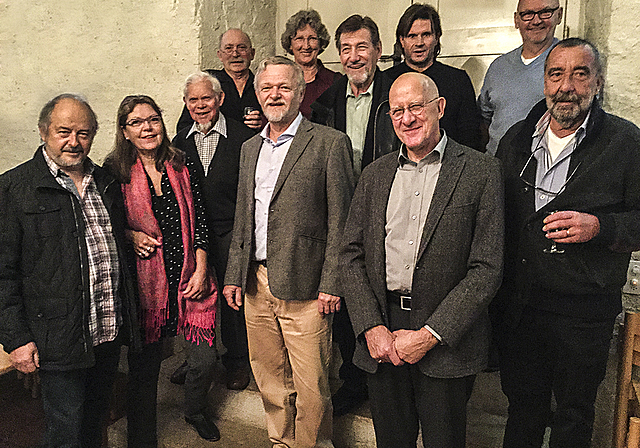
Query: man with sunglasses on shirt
[[572, 208]]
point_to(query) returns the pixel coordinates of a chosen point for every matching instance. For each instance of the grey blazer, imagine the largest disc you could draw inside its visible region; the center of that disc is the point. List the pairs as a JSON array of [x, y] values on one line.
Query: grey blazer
[[306, 215], [459, 265]]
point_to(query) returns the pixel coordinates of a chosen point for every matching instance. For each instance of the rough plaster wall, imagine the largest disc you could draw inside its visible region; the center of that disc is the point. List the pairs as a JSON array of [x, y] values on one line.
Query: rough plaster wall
[[607, 25], [104, 49], [255, 17], [623, 65]]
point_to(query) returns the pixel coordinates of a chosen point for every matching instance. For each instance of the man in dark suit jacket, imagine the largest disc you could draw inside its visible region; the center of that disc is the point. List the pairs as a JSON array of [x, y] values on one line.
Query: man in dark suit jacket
[[423, 258], [356, 104], [572, 183], [212, 144], [296, 182]]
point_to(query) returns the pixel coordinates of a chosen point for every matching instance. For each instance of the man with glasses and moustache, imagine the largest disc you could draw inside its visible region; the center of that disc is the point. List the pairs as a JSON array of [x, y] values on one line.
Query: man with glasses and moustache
[[240, 104], [422, 259], [514, 82], [572, 181]]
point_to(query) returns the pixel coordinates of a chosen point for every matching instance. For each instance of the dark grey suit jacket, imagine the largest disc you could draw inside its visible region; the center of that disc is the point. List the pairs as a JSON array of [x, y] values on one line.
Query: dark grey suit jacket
[[459, 266], [306, 215]]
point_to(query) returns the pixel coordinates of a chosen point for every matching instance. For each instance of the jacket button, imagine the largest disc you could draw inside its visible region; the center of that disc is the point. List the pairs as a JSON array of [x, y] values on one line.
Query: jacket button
[[525, 189], [40, 315], [523, 261], [42, 208]]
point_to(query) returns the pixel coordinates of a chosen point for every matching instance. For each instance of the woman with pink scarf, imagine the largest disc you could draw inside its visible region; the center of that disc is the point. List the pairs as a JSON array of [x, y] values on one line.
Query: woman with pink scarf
[[177, 294]]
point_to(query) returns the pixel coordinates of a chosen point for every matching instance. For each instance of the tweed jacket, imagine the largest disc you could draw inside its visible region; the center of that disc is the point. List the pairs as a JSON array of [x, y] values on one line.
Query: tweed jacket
[[459, 263], [307, 212], [586, 279], [219, 185]]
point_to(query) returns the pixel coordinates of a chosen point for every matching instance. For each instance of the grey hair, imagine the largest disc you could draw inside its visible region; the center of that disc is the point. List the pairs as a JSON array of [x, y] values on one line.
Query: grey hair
[[298, 21], [44, 120], [573, 42], [202, 76], [281, 60]]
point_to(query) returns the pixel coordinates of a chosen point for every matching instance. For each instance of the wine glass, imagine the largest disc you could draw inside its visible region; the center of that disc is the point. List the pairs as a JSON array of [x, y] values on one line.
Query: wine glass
[[554, 247]]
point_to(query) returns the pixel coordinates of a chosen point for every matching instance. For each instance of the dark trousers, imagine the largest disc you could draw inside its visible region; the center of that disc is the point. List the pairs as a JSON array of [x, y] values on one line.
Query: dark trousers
[[142, 389], [403, 399], [550, 353], [354, 378], [233, 329], [75, 402]]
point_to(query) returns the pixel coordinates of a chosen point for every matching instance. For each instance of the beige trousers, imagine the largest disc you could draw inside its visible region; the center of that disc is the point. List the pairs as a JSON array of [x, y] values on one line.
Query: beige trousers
[[290, 353]]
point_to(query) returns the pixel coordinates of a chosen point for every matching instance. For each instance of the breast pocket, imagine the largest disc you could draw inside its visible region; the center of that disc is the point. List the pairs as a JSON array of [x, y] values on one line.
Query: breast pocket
[[44, 219]]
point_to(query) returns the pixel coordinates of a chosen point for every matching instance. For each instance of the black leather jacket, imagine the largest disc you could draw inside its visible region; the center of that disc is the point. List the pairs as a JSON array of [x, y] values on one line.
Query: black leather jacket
[[380, 139]]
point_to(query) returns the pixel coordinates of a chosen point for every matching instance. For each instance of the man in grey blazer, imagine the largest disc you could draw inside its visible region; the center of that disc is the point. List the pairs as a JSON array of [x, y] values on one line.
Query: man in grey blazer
[[423, 258], [296, 181]]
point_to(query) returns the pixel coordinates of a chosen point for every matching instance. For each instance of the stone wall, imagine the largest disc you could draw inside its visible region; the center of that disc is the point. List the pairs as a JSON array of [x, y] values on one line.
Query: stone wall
[[607, 25], [102, 49], [256, 18]]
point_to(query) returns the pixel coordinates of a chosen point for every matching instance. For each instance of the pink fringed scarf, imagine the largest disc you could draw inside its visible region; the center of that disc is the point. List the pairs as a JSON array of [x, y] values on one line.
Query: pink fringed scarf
[[196, 319]]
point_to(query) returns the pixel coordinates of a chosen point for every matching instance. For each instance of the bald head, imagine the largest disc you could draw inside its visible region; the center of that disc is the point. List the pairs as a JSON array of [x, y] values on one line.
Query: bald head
[[236, 52], [420, 81], [416, 109]]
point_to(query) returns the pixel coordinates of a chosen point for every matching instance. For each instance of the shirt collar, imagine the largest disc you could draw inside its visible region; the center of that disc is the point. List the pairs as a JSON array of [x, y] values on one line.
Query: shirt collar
[[543, 124], [55, 170], [438, 152], [220, 127], [368, 92], [287, 135]]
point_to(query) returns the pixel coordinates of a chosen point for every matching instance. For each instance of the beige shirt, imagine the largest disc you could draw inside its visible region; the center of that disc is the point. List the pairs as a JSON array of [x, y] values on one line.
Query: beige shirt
[[358, 110], [407, 208]]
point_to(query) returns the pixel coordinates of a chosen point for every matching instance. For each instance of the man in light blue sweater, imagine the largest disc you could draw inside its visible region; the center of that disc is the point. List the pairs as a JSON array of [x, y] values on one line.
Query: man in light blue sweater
[[514, 82]]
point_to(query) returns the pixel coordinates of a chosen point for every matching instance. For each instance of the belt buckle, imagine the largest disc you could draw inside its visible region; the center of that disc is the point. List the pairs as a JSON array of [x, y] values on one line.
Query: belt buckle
[[406, 307]]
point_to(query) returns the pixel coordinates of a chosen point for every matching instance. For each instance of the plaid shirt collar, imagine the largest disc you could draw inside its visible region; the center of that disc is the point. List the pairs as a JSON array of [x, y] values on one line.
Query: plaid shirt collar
[[220, 127]]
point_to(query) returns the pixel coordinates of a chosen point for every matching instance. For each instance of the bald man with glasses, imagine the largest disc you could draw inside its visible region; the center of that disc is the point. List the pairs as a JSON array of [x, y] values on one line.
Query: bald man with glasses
[[513, 84]]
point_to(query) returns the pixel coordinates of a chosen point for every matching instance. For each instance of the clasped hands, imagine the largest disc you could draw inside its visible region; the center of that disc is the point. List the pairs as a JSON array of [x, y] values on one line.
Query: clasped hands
[[400, 346]]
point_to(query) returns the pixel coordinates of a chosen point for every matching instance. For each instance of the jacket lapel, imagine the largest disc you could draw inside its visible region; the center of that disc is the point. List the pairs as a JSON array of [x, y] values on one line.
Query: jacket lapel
[[298, 145], [450, 171]]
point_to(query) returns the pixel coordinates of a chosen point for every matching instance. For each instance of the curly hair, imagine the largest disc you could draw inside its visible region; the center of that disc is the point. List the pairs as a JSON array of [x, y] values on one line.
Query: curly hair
[[124, 154], [300, 20]]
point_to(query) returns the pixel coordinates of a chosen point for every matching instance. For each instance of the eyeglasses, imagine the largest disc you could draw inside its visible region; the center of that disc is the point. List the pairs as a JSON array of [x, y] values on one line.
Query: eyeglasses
[[154, 121], [414, 109], [551, 193], [543, 14], [301, 40], [242, 49]]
